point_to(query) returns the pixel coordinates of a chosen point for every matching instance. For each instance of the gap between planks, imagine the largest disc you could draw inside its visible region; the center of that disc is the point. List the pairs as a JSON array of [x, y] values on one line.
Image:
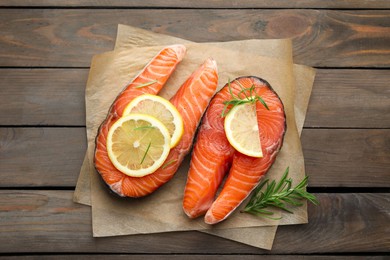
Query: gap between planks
[[42, 220]]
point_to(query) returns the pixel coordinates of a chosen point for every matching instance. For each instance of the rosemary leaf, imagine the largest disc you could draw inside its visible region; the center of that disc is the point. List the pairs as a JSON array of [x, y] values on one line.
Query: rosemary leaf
[[146, 84], [168, 163], [146, 152], [263, 102], [278, 195], [230, 88], [242, 91]]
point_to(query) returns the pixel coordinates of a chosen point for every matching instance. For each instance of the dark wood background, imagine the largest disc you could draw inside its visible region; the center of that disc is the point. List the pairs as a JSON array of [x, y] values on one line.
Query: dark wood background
[[45, 52]]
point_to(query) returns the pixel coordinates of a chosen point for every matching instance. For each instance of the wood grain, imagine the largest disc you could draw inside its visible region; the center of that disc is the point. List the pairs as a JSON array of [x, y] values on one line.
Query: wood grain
[[333, 157], [350, 99], [69, 37], [47, 221], [342, 223], [347, 157], [340, 98], [41, 156], [347, 4], [42, 96], [45, 52], [193, 257]]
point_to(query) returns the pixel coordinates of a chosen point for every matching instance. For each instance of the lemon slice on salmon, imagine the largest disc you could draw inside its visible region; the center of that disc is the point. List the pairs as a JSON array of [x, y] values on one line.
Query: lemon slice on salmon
[[242, 130], [161, 109], [138, 144]]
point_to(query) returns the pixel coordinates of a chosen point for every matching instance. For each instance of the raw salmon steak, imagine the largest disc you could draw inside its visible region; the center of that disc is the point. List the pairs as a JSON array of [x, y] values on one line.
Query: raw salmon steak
[[157, 71], [191, 101], [213, 156]]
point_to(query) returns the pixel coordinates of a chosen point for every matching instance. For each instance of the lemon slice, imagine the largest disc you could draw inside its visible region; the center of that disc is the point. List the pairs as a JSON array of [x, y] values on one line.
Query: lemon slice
[[161, 109], [242, 130], [138, 144]]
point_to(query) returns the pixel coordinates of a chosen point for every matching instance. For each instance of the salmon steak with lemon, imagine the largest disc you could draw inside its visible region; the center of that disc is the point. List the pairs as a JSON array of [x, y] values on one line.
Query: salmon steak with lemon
[[240, 135], [144, 138]]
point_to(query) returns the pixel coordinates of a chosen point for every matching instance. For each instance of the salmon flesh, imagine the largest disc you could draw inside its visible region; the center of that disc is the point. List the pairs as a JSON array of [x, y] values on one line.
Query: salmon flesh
[[191, 101], [213, 157]]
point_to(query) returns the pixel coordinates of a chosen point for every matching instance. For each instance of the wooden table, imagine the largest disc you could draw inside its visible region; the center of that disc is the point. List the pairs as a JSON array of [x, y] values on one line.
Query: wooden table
[[45, 53]]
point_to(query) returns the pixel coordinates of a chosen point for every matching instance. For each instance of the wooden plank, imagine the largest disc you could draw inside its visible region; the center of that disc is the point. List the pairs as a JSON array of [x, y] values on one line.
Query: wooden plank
[[192, 257], [56, 97], [69, 37], [41, 156], [42, 96], [47, 221], [350, 98], [342, 223], [346, 4], [347, 157], [333, 157]]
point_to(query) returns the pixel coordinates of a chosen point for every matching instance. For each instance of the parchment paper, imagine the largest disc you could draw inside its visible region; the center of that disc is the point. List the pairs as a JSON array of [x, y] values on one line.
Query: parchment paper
[[102, 218], [131, 37]]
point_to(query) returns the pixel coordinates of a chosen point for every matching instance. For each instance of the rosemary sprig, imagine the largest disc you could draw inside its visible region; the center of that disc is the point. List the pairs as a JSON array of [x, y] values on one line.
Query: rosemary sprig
[[278, 195], [146, 152], [238, 100], [146, 84], [165, 165]]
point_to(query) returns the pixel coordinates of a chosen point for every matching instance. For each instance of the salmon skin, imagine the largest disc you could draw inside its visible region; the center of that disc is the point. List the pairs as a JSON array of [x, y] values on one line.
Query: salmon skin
[[191, 101], [213, 156]]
